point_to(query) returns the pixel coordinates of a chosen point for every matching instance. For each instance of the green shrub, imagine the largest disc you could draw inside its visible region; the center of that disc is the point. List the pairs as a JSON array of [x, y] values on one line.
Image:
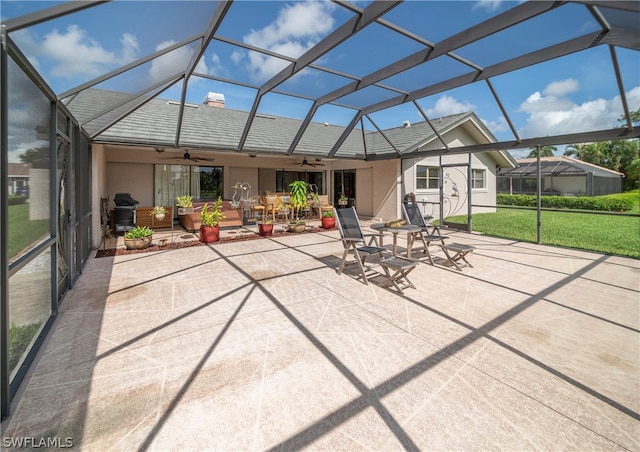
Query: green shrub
[[609, 203], [14, 200]]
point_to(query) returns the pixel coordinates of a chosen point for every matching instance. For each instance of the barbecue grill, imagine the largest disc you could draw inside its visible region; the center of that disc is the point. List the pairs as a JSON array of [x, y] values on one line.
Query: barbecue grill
[[124, 212]]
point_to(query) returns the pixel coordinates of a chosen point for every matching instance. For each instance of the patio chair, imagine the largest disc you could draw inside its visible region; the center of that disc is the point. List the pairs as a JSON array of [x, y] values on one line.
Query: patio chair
[[395, 268], [454, 252], [353, 240], [412, 214], [271, 206]]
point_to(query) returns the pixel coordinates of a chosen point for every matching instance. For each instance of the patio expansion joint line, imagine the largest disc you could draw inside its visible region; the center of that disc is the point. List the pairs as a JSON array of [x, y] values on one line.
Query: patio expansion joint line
[[258, 421], [474, 334], [547, 300], [148, 440], [542, 403], [324, 313], [376, 404]]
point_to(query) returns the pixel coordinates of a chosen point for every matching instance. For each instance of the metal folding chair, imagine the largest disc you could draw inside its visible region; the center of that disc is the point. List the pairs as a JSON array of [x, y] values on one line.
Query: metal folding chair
[[413, 216], [454, 252], [353, 240]]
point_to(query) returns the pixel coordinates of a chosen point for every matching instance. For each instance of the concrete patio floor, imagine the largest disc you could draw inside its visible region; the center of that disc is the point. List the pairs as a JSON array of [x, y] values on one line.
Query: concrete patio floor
[[259, 344]]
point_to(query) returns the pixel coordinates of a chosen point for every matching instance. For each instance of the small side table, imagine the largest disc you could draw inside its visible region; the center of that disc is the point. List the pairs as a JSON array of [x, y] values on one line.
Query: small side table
[[413, 232]]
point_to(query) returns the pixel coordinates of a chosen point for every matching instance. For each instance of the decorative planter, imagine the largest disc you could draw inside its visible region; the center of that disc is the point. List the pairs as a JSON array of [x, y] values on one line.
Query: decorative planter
[[159, 216], [297, 227], [185, 210], [458, 226], [328, 222], [265, 229], [137, 244], [209, 234]]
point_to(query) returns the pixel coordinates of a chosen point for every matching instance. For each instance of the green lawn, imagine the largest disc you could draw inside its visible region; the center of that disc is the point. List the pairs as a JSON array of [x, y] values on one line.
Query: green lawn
[[601, 233], [24, 232]]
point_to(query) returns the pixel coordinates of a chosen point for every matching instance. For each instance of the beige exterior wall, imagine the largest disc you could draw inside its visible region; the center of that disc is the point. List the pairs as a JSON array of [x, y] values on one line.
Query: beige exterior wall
[[380, 185], [377, 186], [453, 176], [98, 189]]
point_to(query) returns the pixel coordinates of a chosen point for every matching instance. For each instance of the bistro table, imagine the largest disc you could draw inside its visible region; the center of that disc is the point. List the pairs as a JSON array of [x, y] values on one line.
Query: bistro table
[[412, 231]]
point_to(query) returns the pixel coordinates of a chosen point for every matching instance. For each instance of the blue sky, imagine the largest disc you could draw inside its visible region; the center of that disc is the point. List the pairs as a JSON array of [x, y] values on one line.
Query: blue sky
[[577, 93]]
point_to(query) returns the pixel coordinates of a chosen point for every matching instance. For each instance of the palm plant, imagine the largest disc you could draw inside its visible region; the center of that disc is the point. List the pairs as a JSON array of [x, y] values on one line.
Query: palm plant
[[298, 196]]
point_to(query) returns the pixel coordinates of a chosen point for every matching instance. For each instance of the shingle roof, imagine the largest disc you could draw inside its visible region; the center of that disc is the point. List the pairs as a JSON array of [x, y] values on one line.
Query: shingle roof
[[215, 128]]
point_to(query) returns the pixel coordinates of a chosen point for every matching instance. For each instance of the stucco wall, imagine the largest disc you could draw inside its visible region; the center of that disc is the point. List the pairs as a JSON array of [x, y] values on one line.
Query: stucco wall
[[98, 189], [377, 187]]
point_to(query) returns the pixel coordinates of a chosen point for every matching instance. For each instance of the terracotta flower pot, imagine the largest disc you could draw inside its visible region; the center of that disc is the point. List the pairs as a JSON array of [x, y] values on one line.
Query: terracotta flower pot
[[265, 229], [209, 234], [328, 222]]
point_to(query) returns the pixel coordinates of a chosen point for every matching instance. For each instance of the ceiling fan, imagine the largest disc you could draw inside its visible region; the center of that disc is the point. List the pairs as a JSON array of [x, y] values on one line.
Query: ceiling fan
[[187, 156], [305, 162]]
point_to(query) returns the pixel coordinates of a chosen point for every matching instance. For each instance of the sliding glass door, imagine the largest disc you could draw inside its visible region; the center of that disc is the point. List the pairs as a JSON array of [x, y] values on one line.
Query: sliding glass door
[[203, 183]]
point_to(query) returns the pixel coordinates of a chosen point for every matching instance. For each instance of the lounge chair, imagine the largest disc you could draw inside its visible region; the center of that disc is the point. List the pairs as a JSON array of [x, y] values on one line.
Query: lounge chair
[[455, 252], [412, 214], [354, 240]]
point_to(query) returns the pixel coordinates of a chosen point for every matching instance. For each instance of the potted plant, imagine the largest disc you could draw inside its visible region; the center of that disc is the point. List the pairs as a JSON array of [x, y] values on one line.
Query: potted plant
[[298, 200], [265, 227], [328, 219], [343, 200], [138, 238], [158, 211], [209, 221], [297, 225], [185, 204]]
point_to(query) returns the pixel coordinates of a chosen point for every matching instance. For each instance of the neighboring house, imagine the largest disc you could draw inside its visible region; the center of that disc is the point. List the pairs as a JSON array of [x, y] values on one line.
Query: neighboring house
[[18, 180], [135, 156], [560, 176], [446, 184]]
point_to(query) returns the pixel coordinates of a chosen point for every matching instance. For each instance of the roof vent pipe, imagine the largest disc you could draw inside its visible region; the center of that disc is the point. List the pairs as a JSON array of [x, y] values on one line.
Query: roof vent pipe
[[406, 123]]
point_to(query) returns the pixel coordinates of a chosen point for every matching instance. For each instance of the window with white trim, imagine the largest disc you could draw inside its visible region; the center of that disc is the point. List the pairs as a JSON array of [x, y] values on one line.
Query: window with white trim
[[427, 177], [478, 178]]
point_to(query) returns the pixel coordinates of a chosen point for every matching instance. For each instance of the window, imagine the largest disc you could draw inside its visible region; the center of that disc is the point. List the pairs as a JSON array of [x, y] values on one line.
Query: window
[[478, 178], [427, 177]]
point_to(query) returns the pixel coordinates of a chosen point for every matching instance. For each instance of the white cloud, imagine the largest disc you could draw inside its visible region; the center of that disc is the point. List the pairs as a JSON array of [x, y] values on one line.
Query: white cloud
[[561, 88], [174, 62], [74, 52], [500, 125], [447, 105], [302, 23], [551, 115], [297, 28], [488, 5], [217, 68]]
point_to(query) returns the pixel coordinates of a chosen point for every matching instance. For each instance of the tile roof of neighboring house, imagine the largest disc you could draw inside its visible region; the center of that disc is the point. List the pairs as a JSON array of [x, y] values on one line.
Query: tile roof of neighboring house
[[18, 169], [215, 128], [558, 166]]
